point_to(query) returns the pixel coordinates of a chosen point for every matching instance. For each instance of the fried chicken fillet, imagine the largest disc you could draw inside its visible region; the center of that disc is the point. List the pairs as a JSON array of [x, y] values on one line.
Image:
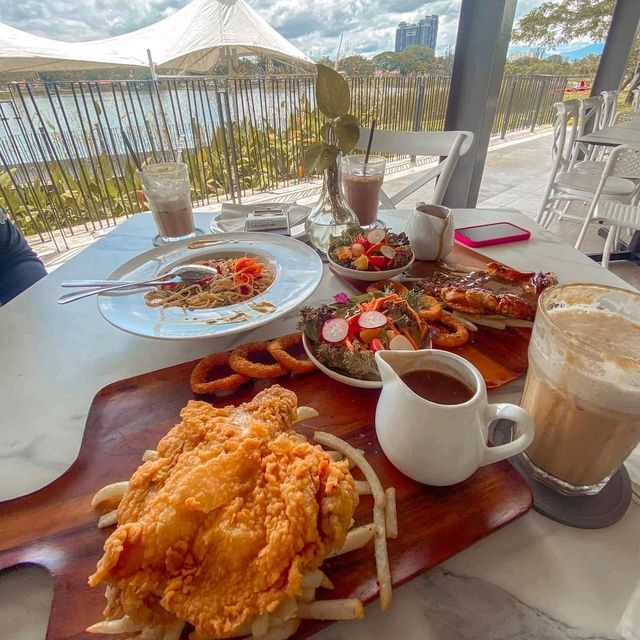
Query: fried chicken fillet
[[224, 524]]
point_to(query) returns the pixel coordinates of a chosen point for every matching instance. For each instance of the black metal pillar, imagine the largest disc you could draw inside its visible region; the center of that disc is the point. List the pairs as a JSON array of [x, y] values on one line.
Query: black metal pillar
[[483, 37], [618, 47]]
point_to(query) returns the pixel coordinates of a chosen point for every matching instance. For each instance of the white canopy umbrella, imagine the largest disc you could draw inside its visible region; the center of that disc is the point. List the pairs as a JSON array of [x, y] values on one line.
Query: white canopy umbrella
[[194, 39]]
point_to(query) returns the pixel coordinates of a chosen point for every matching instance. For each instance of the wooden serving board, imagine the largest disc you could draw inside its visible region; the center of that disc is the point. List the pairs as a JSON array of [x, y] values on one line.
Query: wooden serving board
[[499, 355], [55, 527]]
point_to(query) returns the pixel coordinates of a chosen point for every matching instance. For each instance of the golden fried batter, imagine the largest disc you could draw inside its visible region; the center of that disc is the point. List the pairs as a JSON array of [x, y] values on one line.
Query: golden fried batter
[[222, 526]]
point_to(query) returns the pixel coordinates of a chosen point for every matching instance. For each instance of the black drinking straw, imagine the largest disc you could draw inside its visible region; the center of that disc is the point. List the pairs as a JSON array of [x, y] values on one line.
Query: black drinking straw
[[368, 151], [131, 150]]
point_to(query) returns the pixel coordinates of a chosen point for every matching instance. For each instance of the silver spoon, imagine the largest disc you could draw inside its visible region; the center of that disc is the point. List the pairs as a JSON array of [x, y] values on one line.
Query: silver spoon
[[182, 273]]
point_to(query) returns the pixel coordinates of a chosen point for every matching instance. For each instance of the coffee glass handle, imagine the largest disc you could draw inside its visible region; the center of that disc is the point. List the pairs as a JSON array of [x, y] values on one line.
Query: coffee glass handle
[[522, 419]]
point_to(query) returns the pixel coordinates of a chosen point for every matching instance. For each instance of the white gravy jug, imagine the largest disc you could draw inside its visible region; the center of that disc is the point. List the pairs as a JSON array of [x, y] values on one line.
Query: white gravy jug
[[439, 444], [430, 231]]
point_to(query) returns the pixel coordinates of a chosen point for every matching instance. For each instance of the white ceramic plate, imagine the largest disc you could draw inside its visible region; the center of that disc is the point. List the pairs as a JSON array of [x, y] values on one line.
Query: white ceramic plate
[[368, 276], [352, 382], [233, 221], [298, 270]]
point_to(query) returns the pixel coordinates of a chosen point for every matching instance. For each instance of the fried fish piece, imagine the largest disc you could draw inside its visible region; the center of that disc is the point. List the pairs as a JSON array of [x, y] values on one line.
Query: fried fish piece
[[224, 524]]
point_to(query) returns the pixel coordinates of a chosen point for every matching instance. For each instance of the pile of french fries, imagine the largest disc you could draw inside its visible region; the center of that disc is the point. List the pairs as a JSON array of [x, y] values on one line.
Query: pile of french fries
[[284, 621]]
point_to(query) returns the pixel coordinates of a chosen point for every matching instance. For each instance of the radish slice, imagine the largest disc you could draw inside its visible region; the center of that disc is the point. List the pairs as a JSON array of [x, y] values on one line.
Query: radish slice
[[335, 330], [388, 252], [375, 236], [372, 320], [400, 343]]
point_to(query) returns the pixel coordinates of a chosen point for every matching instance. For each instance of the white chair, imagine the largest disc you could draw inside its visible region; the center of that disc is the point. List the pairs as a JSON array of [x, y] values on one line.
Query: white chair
[[635, 101], [567, 185], [448, 145], [619, 216], [622, 161], [609, 108], [589, 120]]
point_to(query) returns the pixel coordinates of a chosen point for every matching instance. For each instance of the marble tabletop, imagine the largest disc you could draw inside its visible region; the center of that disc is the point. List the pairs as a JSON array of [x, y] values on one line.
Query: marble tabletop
[[615, 134], [533, 579]]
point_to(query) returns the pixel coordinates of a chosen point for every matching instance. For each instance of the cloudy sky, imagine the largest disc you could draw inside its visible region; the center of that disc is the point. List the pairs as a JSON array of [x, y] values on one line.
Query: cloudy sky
[[314, 27]]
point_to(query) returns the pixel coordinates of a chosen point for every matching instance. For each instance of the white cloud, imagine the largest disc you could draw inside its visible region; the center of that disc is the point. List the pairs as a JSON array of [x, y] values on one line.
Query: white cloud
[[367, 26]]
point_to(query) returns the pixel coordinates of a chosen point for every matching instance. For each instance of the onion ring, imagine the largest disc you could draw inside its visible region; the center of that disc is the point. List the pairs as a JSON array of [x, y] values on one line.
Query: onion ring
[[458, 337], [278, 350], [240, 362], [202, 386], [432, 311]]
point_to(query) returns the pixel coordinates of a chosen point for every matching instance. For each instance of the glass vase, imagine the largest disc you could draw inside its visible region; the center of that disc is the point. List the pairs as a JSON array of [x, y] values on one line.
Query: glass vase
[[331, 215]]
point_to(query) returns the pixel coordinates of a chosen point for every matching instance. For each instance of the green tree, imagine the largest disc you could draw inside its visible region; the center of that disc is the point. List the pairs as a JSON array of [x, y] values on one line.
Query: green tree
[[555, 23], [356, 66], [387, 60], [326, 61]]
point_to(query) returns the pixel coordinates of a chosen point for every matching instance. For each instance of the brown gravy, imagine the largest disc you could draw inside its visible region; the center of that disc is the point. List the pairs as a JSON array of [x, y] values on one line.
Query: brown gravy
[[437, 387]]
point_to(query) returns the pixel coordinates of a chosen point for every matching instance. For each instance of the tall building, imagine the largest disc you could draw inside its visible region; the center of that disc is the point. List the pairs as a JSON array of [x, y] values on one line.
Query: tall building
[[424, 32]]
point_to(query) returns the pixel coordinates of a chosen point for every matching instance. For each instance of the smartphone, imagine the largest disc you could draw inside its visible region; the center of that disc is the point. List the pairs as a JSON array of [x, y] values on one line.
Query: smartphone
[[483, 235]]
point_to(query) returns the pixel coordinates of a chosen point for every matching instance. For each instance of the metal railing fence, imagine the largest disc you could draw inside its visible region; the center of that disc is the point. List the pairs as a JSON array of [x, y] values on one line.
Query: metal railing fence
[[63, 165]]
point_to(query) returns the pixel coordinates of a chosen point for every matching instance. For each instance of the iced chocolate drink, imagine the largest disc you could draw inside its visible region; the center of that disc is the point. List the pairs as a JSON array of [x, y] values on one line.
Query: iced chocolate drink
[[361, 183], [168, 192], [583, 386]]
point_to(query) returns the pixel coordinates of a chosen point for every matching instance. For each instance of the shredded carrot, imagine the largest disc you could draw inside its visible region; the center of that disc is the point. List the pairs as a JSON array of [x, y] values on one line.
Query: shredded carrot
[[349, 345], [407, 335], [374, 247]]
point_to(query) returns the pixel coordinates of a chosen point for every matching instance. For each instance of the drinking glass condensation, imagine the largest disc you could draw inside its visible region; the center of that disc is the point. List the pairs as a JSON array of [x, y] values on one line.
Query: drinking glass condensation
[[167, 189], [361, 183], [583, 386]]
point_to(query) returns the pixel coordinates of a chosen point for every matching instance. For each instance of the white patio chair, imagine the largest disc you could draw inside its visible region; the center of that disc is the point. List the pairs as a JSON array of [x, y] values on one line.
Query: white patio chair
[[609, 108], [635, 101], [622, 161], [448, 145], [589, 120], [564, 185], [619, 216]]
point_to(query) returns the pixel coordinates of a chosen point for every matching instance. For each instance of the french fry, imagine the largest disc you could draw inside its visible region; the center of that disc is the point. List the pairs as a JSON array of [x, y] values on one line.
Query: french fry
[[308, 595], [347, 609], [312, 579], [149, 455], [465, 322], [282, 631], [481, 320], [380, 539], [390, 513], [107, 520], [115, 490], [286, 610], [315, 579], [174, 631], [517, 322], [153, 633], [305, 413], [363, 488], [260, 625], [356, 538], [326, 582], [113, 627]]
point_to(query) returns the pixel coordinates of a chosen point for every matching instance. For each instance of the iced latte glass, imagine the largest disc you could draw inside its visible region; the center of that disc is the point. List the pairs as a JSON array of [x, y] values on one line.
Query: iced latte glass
[[167, 189], [583, 386], [361, 182]]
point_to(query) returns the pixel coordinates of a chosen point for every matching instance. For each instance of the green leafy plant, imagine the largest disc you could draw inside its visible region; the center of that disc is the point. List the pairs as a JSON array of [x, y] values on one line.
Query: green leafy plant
[[340, 131]]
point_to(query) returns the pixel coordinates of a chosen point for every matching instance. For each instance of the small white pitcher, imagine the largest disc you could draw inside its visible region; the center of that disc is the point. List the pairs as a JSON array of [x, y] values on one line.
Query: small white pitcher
[[430, 231], [439, 444]]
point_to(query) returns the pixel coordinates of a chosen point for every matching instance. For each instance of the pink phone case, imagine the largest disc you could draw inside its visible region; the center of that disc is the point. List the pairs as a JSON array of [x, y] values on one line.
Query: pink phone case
[[516, 237]]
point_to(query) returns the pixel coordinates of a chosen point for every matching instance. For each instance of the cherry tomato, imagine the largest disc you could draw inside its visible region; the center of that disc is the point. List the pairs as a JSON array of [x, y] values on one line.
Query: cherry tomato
[[354, 327], [379, 261], [376, 345]]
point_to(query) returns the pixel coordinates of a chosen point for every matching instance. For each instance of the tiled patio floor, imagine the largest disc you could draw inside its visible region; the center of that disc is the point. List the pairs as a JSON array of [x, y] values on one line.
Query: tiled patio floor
[[514, 178]]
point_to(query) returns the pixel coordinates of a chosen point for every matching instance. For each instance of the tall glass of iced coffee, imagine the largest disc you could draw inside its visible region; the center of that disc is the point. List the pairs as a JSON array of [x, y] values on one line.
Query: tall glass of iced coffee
[[583, 386], [168, 192], [361, 182]]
